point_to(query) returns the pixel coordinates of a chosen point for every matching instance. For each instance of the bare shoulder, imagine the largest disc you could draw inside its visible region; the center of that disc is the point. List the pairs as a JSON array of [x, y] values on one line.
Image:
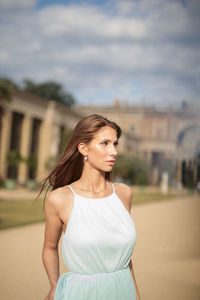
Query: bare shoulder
[[56, 199], [124, 189], [58, 207], [125, 193]]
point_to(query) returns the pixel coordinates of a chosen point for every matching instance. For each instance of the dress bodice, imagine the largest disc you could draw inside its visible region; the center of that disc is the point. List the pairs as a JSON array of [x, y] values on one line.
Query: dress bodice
[[100, 235]]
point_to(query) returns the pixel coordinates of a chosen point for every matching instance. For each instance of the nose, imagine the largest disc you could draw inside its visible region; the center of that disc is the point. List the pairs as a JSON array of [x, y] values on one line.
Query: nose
[[113, 150]]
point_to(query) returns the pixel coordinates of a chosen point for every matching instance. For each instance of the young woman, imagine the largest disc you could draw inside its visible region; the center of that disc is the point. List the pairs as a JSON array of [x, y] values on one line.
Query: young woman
[[94, 215]]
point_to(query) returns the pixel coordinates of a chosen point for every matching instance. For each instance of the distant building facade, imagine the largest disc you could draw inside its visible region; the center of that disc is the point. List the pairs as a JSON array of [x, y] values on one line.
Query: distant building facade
[[32, 126], [167, 139]]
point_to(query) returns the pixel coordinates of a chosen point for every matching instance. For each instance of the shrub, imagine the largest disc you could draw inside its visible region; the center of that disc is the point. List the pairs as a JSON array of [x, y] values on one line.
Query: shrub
[[131, 169]]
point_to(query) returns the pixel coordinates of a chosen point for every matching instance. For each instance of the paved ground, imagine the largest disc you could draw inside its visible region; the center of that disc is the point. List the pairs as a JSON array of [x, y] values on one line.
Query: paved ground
[[167, 252], [166, 257]]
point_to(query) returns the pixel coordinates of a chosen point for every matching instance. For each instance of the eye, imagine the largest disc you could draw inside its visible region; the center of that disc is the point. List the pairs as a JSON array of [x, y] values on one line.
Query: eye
[[104, 143], [116, 144]]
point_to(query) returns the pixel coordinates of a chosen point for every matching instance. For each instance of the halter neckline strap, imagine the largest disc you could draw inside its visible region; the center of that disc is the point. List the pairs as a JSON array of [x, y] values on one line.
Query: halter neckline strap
[[71, 188]]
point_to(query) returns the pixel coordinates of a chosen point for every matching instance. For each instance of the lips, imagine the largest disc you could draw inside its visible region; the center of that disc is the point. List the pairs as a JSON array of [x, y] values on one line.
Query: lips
[[111, 162]]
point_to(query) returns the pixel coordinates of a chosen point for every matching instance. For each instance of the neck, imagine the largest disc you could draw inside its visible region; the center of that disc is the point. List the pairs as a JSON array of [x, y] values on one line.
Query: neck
[[92, 179]]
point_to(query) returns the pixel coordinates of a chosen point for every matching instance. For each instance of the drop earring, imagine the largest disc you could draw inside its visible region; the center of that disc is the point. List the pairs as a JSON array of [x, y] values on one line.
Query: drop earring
[[86, 157]]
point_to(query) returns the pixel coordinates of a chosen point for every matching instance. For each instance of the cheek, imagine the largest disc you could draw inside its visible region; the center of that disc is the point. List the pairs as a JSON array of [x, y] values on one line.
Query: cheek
[[98, 150]]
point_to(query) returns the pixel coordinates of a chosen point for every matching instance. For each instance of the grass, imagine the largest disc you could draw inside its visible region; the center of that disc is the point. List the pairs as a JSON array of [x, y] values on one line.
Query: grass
[[20, 212], [146, 197], [15, 213]]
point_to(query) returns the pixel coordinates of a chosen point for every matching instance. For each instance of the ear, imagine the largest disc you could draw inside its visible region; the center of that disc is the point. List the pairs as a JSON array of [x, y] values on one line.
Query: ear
[[82, 148]]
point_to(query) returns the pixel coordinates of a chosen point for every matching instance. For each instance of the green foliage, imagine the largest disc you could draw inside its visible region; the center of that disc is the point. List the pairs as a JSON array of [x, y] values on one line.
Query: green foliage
[[6, 88], [13, 158], [9, 82], [131, 169], [50, 90], [31, 161]]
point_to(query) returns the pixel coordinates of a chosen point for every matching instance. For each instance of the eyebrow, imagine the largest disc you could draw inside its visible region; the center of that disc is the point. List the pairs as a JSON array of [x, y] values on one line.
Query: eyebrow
[[107, 140]]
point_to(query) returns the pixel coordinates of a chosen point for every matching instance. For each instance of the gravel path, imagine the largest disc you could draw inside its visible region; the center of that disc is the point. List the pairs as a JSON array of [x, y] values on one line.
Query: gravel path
[[166, 257]]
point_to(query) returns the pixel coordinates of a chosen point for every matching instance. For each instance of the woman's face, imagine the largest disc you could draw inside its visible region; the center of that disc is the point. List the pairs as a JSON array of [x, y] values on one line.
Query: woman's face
[[102, 150]]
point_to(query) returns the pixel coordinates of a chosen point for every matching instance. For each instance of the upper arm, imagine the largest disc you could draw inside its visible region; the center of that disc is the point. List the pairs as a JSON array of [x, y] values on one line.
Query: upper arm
[[53, 226], [126, 194]]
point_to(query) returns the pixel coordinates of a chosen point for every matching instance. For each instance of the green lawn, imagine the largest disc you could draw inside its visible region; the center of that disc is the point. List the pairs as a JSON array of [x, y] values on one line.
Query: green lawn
[[20, 212], [145, 197]]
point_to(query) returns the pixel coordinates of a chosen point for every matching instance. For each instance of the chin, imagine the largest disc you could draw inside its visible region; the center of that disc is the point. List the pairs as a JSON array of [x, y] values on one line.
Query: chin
[[106, 169], [109, 169]]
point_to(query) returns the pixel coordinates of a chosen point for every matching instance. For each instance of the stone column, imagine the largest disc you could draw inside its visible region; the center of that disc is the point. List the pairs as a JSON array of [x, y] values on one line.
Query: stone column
[[179, 174], [195, 169], [24, 147], [45, 141], [5, 141]]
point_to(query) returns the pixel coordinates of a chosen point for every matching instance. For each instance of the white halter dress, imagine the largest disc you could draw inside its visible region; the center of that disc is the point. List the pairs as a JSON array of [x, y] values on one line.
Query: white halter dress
[[97, 247]]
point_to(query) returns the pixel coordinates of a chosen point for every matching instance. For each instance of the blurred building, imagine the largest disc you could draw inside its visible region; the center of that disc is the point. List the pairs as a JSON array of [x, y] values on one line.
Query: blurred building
[[167, 139], [33, 127]]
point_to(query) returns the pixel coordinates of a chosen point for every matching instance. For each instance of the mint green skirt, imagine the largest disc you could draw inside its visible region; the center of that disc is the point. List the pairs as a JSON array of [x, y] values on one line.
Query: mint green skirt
[[116, 285]]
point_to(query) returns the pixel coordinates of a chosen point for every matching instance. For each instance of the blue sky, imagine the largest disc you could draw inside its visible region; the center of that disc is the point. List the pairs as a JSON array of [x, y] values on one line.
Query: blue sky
[[136, 51], [42, 3]]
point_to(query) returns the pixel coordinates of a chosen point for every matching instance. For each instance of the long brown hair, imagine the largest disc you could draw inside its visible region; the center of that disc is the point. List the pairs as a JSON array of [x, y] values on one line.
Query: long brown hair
[[70, 165]]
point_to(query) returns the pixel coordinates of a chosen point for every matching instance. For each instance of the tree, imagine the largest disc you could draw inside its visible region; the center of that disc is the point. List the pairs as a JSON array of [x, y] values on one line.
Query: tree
[[50, 90], [131, 169], [6, 89]]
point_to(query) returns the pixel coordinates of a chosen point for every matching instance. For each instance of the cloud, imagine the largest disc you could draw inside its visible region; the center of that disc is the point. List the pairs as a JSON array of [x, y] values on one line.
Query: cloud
[[135, 50], [16, 4]]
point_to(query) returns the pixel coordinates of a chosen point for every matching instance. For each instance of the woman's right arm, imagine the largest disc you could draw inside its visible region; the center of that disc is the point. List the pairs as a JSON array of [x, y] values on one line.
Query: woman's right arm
[[53, 231]]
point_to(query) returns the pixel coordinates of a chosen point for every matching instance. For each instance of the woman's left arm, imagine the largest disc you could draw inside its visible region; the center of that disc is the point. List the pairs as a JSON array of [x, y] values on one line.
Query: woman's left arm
[[129, 204], [133, 275]]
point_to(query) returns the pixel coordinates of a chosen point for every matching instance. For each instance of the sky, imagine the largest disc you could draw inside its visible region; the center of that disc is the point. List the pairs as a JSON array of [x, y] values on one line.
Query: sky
[[141, 52]]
